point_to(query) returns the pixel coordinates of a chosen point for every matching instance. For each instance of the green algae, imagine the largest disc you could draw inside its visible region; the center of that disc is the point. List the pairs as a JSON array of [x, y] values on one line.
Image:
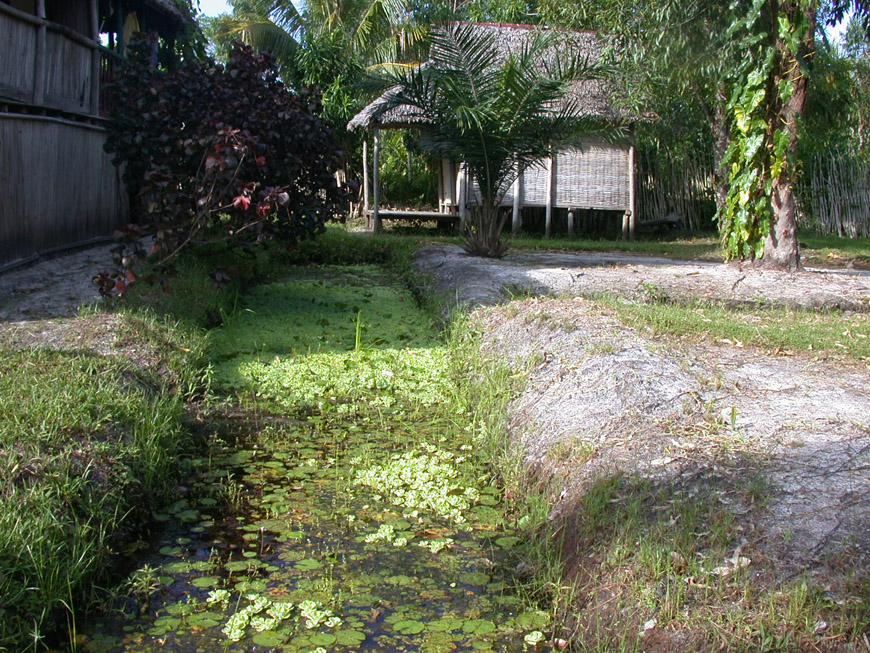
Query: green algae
[[363, 516]]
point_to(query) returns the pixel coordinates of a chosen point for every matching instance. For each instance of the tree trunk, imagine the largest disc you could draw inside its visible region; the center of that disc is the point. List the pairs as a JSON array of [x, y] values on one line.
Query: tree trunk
[[781, 248], [717, 118]]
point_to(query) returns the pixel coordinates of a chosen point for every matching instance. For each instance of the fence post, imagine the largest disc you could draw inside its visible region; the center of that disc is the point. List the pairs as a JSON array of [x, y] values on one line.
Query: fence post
[[39, 59]]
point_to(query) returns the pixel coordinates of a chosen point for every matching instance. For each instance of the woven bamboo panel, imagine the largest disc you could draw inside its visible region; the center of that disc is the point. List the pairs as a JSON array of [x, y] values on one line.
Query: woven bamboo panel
[[68, 71], [16, 64], [66, 189], [595, 176], [835, 199]]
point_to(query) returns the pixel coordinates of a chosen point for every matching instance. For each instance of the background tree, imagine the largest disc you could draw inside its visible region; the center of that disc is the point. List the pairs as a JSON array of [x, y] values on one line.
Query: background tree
[[856, 49], [670, 58], [496, 114], [749, 65]]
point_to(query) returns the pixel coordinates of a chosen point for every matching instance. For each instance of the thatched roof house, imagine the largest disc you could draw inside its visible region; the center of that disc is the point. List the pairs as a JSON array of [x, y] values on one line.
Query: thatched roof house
[[597, 175]]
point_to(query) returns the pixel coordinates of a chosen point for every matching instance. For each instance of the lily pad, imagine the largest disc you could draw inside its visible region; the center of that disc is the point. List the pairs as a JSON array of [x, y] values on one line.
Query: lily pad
[[205, 581], [188, 515], [170, 550], [269, 638], [478, 627], [308, 564], [322, 639], [446, 624], [507, 542], [409, 627]]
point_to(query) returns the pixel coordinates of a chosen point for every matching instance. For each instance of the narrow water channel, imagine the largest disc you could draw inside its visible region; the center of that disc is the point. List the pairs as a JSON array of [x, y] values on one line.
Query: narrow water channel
[[341, 503]]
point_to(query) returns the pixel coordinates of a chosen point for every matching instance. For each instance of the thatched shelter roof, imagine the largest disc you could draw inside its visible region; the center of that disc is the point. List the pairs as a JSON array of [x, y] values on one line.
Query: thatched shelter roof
[[166, 16], [593, 96], [168, 7]]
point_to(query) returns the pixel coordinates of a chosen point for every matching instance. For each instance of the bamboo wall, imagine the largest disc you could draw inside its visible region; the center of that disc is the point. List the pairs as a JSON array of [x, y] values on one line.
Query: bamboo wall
[[52, 66], [595, 176], [59, 186]]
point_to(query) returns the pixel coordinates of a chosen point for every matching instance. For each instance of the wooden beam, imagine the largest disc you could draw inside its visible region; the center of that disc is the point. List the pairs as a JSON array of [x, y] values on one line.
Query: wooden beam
[[376, 154], [95, 59], [119, 26], [632, 200], [570, 223], [516, 217], [39, 58], [548, 212]]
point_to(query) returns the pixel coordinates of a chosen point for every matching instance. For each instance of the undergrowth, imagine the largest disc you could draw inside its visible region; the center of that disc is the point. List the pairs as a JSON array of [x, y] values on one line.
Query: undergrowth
[[631, 563]]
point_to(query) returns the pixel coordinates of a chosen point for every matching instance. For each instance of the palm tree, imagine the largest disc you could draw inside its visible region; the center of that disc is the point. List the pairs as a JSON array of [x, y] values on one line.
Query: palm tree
[[496, 112]]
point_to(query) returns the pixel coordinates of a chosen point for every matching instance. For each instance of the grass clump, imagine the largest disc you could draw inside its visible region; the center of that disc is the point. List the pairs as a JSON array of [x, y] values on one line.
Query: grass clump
[[87, 446], [667, 566], [92, 421]]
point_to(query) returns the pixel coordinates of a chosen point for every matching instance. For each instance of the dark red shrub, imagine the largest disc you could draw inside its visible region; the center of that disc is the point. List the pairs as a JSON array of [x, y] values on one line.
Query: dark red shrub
[[218, 153]]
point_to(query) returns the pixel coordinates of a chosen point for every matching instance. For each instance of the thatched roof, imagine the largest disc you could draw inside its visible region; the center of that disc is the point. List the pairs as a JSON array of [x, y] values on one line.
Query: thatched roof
[[593, 96], [164, 15], [168, 7]]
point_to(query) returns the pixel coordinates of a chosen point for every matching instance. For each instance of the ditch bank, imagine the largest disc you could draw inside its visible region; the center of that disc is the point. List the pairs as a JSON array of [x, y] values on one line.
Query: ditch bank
[[705, 496]]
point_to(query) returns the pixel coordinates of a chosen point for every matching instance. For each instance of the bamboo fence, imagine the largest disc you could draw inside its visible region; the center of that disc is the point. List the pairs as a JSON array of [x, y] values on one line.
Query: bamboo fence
[[669, 185], [60, 187], [835, 196]]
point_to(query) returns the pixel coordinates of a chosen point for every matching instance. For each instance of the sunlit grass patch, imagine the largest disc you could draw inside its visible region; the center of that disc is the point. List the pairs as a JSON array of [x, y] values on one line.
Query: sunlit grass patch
[[685, 246], [777, 330]]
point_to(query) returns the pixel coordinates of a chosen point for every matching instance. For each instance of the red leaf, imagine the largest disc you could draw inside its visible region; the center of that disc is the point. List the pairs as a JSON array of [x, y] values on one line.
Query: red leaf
[[131, 276], [241, 202], [260, 160], [263, 210], [121, 287], [211, 161]]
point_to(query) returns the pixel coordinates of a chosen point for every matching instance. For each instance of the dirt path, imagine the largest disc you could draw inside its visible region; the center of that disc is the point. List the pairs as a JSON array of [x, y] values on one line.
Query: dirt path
[[474, 280], [56, 287]]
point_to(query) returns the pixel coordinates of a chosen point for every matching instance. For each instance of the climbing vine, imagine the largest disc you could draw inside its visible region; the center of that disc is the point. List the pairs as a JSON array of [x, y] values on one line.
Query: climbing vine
[[763, 132]]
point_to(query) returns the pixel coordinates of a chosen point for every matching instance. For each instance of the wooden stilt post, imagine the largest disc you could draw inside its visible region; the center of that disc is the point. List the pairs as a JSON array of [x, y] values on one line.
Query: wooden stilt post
[[548, 212], [516, 217], [365, 197], [632, 200], [462, 196], [570, 223], [376, 154]]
